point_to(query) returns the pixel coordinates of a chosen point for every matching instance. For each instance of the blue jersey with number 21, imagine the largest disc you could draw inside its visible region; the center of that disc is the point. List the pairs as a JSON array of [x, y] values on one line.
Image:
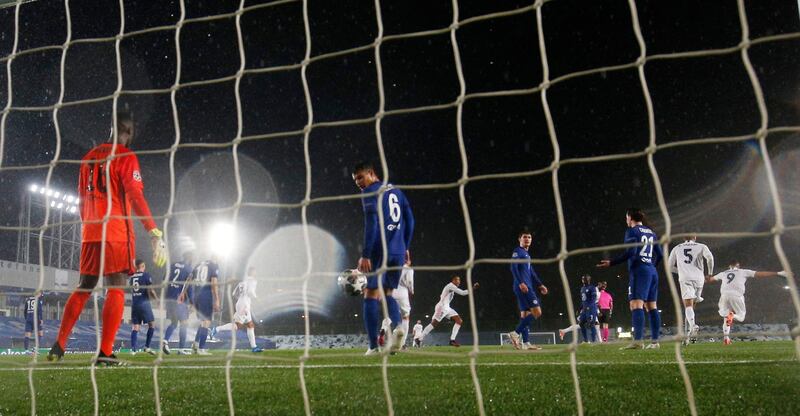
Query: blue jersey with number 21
[[648, 254]]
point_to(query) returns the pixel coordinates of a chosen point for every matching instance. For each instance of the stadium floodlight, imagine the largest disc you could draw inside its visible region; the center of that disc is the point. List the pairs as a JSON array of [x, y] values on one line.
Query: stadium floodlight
[[77, 201], [52, 203], [60, 205], [786, 287], [56, 194], [221, 239], [34, 188], [49, 192], [41, 190], [72, 209], [70, 199]]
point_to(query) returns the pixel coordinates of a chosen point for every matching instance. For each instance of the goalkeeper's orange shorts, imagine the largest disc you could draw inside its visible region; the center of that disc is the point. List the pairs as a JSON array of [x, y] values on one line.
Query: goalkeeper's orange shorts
[[119, 258]]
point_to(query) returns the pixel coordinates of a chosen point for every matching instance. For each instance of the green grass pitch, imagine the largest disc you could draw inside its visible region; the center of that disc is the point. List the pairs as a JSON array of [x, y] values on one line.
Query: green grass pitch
[[746, 378]]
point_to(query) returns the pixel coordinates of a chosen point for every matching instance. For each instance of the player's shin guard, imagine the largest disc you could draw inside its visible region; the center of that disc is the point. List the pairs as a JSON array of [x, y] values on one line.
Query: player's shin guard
[[168, 332], [251, 336], [690, 317], [181, 337], [202, 336], [394, 311], [372, 320], [150, 332], [524, 327], [655, 324], [453, 334], [112, 317], [637, 318], [134, 338], [72, 311]]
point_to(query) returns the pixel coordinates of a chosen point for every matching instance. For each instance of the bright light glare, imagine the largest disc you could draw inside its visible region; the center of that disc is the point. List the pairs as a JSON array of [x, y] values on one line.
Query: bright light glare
[[70, 198], [72, 209], [41, 190], [52, 203], [786, 287], [49, 192], [77, 200], [221, 239], [57, 194], [34, 188], [619, 329], [60, 205]]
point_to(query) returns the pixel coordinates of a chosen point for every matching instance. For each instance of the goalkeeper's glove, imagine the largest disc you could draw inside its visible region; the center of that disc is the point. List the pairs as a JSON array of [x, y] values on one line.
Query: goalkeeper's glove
[[159, 248]]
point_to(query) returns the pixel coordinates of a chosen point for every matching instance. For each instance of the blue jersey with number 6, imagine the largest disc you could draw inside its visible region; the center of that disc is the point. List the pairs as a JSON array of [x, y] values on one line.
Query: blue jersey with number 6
[[647, 254], [398, 222]]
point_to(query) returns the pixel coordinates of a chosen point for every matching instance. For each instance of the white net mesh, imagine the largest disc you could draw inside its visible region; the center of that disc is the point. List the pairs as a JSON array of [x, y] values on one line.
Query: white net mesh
[[307, 201]]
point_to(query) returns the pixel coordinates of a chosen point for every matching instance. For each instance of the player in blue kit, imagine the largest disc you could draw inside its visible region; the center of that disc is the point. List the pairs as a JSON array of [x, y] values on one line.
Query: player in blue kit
[[526, 282], [643, 276], [398, 228], [33, 315], [587, 315], [141, 311], [178, 312], [206, 300]]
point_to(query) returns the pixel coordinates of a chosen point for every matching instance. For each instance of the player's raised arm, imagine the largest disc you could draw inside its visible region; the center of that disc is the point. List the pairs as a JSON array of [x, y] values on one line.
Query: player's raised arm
[[764, 275]]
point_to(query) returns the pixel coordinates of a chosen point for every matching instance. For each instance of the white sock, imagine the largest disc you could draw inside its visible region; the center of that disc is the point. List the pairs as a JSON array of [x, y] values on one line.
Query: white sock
[[453, 334], [386, 326], [427, 330], [251, 336], [690, 317], [597, 335], [404, 326], [572, 328], [227, 327], [726, 330]]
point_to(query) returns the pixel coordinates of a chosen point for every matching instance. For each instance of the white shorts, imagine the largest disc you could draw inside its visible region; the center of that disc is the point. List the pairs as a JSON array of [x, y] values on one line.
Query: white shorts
[[690, 288], [242, 315], [401, 296], [732, 302], [443, 312]]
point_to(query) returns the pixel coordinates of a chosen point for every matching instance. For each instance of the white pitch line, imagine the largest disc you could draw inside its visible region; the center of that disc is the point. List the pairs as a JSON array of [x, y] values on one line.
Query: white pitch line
[[51, 367]]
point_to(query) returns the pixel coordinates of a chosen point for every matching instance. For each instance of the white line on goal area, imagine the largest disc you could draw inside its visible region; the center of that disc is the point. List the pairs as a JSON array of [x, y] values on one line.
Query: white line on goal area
[[402, 365]]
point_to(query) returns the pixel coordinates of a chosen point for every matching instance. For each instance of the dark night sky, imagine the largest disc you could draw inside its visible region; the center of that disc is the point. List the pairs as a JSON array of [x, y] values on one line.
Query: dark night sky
[[708, 187]]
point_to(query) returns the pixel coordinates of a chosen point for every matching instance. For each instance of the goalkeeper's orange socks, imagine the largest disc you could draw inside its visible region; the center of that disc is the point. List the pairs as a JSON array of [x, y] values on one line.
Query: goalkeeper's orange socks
[[72, 311], [112, 317]]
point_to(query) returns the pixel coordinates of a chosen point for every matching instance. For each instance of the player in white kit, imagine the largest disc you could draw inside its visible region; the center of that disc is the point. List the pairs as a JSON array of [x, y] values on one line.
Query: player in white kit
[[403, 294], [686, 259], [444, 311], [418, 334], [243, 318], [731, 300]]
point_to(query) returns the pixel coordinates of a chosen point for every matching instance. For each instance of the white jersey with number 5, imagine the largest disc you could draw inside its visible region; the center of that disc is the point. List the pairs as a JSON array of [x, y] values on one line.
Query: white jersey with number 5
[[686, 259], [733, 281]]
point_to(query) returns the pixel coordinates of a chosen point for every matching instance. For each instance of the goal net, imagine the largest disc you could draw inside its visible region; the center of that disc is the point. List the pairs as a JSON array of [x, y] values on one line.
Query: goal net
[[491, 117]]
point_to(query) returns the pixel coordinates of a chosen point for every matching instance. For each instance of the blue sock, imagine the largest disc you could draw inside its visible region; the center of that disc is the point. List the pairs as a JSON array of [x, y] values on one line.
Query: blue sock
[[594, 334], [655, 324], [149, 336], [637, 316], [524, 323], [394, 311], [134, 335], [372, 320], [202, 334], [526, 334], [583, 333], [27, 343], [182, 337], [168, 331]]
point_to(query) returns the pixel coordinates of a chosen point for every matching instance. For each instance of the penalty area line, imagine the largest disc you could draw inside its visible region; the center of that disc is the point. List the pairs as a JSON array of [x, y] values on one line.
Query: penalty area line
[[52, 367]]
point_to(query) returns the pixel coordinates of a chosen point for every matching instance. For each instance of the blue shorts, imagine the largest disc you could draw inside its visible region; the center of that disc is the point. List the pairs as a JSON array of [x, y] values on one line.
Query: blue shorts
[[141, 314], [588, 316], [177, 312], [527, 301], [205, 307], [643, 284], [391, 279], [29, 325]]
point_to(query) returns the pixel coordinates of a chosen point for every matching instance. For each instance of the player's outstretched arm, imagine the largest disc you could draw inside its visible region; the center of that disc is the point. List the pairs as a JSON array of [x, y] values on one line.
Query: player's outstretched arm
[[764, 275]]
